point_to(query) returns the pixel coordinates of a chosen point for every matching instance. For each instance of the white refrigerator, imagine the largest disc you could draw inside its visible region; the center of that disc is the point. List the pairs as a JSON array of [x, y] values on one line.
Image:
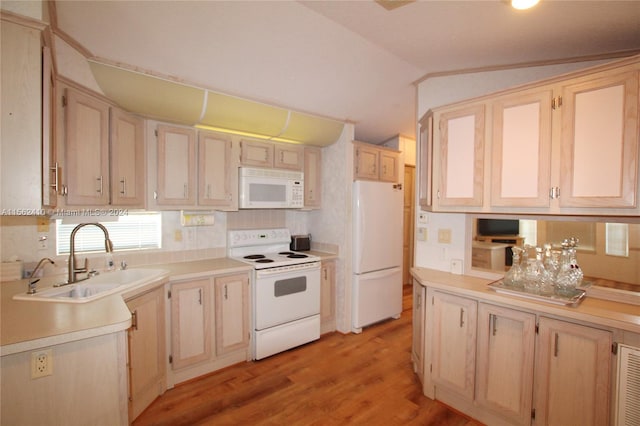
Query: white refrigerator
[[377, 252]]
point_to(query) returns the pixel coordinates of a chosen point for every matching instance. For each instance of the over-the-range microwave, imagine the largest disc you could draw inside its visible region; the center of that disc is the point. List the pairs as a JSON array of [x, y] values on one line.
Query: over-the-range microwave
[[270, 188]]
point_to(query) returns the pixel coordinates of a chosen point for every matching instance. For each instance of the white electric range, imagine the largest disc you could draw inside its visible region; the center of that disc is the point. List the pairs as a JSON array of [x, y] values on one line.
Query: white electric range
[[285, 286]]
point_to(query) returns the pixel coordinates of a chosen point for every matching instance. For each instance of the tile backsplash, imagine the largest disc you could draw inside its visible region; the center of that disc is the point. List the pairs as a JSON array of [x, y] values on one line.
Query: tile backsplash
[[20, 236]]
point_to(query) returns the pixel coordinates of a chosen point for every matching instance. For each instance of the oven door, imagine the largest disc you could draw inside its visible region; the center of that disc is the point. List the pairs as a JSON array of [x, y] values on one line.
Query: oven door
[[286, 294]]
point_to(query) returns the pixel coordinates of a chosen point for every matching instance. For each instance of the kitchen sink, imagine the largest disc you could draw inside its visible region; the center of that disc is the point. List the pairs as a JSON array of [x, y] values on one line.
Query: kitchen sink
[[95, 287]]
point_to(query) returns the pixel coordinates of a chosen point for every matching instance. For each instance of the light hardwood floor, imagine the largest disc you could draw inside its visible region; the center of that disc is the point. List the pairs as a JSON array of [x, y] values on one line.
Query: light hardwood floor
[[341, 379]]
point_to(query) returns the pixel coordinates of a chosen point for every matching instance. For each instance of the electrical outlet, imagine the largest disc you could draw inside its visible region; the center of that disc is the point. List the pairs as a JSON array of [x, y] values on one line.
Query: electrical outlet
[[456, 266], [423, 218], [41, 363]]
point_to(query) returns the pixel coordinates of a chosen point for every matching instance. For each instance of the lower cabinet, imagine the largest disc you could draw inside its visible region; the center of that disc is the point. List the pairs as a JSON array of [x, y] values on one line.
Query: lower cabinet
[[506, 339], [454, 343], [417, 352], [190, 322], [508, 366], [232, 313], [209, 324], [147, 356], [572, 374], [327, 296]]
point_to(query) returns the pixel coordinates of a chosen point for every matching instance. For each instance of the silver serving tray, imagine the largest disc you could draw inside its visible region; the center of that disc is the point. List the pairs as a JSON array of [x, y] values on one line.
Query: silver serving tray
[[574, 298]]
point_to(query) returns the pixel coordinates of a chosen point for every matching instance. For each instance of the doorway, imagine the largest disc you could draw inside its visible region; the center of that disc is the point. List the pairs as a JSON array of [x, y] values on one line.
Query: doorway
[[409, 207]]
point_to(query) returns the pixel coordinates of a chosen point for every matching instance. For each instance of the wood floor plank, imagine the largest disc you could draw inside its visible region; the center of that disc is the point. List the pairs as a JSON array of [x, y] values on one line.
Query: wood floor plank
[[341, 379]]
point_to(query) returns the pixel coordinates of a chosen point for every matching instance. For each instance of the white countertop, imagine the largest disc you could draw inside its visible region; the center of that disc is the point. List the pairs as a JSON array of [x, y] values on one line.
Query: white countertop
[[28, 325], [607, 313]]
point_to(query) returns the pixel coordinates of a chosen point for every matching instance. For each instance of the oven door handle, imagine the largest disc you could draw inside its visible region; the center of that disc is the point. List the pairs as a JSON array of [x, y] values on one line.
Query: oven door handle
[[292, 269]]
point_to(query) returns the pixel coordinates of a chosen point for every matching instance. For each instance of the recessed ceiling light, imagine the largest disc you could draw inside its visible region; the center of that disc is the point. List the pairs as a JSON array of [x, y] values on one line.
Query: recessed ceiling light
[[523, 4]]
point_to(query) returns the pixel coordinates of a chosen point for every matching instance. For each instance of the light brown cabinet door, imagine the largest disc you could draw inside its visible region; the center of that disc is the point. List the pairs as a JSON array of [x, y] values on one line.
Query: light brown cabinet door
[[232, 313], [389, 166], [147, 355], [190, 322], [461, 152], [425, 163], [419, 313], [521, 151], [573, 365], [176, 166], [256, 153], [327, 296], [214, 170], [600, 136], [454, 343], [288, 156], [312, 177], [127, 159], [366, 159], [87, 150], [506, 339]]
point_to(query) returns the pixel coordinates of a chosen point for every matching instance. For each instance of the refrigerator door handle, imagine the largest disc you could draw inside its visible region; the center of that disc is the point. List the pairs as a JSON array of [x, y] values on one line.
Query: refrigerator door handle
[[381, 273]]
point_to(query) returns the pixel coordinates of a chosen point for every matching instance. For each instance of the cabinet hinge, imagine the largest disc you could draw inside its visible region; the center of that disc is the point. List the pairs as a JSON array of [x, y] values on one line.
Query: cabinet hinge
[[169, 294], [430, 368], [537, 328], [614, 348], [433, 300], [156, 132], [556, 102], [533, 414], [170, 359], [64, 101]]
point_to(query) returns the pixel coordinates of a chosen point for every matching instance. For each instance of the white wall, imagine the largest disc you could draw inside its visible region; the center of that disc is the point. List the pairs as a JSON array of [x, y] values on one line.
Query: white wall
[[438, 91]]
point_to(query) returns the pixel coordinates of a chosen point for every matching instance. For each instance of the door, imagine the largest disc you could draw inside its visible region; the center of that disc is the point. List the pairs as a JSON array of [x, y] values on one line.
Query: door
[[376, 296], [600, 135], [232, 313], [572, 374], [461, 152], [377, 235], [176, 166], [147, 357], [505, 362], [521, 151], [214, 170], [87, 150], [454, 343], [127, 159], [190, 322], [408, 226]]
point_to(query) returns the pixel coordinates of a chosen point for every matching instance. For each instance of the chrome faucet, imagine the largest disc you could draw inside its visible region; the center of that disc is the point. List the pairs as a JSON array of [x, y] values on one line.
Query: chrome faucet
[[32, 282], [108, 246]]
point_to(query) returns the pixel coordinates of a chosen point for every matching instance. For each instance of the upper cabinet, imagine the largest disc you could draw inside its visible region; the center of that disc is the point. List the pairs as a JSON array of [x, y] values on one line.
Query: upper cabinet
[[104, 158], [312, 177], [127, 159], [600, 135], [460, 146], [191, 170], [28, 162], [521, 151], [215, 171], [372, 162], [176, 184], [288, 156], [86, 165], [256, 153], [562, 146]]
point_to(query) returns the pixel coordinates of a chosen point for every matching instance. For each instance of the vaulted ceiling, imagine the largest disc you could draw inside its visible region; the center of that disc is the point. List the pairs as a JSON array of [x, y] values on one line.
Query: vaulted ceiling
[[348, 60]]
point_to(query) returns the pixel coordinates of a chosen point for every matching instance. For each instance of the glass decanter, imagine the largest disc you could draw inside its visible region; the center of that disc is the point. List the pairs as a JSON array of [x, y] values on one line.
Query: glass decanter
[[570, 275], [515, 275], [536, 278]]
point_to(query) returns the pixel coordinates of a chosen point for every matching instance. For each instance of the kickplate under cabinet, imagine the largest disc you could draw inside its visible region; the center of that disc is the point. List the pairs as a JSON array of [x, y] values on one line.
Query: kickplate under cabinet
[[557, 299]]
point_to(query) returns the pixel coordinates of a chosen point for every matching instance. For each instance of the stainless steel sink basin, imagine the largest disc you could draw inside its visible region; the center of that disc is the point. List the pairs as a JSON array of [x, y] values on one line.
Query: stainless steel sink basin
[[95, 287]]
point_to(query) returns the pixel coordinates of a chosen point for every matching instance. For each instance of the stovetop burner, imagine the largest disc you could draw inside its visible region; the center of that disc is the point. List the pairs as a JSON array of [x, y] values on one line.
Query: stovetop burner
[[265, 248], [255, 256]]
